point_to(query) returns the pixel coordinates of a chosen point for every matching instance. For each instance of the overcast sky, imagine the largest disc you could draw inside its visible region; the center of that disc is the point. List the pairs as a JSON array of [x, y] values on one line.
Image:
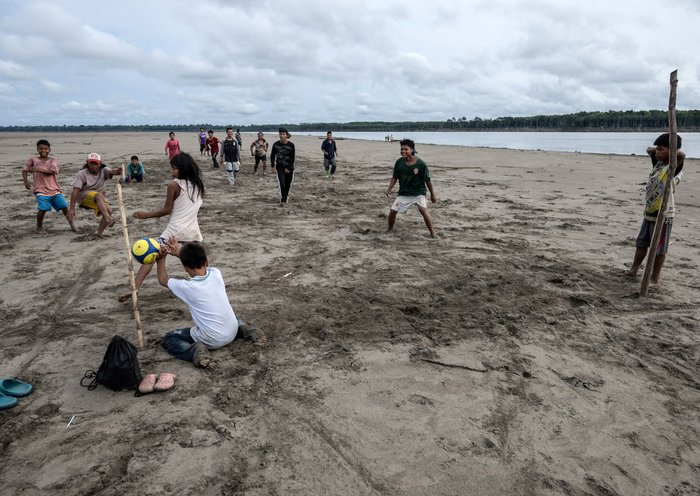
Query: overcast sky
[[258, 62]]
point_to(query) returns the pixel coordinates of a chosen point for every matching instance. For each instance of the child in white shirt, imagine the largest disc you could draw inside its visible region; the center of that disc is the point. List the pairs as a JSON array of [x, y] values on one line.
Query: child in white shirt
[[215, 323]]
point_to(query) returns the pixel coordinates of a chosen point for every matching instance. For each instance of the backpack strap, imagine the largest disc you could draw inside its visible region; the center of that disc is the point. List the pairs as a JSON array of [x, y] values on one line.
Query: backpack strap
[[90, 375]]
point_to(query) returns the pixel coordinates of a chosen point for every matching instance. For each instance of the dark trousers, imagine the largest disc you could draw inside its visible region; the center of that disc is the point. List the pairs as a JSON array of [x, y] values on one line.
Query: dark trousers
[[329, 163], [285, 183], [137, 178], [179, 344]]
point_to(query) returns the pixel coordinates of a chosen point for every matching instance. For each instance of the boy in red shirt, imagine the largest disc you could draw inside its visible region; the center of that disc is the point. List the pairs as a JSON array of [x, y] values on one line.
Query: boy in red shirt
[[172, 147], [213, 144]]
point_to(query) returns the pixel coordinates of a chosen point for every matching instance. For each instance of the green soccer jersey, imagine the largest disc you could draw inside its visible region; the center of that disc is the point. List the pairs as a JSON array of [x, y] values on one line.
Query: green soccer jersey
[[412, 178]]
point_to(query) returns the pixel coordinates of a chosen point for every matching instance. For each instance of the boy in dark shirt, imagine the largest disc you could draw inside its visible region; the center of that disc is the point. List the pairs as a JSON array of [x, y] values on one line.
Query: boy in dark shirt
[[330, 150], [282, 160], [231, 156]]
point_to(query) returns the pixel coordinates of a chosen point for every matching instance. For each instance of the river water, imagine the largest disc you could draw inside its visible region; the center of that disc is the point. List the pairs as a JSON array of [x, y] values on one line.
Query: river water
[[586, 142]]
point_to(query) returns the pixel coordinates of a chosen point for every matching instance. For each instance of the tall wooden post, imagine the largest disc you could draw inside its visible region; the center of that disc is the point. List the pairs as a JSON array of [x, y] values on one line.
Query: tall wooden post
[[130, 264], [673, 163]]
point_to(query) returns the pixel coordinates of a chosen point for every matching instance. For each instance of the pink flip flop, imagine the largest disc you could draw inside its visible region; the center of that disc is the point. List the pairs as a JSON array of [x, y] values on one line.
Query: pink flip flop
[[166, 381], [147, 384]]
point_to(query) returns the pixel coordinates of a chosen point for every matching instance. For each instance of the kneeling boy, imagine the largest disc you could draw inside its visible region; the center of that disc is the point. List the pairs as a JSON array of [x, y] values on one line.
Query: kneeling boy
[[135, 172], [215, 324]]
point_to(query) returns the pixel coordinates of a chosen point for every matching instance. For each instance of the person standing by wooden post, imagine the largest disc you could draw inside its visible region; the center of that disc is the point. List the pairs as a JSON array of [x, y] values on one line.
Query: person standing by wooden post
[[654, 236]]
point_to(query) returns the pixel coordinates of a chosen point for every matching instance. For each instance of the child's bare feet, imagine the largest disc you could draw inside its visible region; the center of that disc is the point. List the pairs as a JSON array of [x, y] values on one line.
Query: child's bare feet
[[72, 227], [41, 230], [631, 274], [125, 296], [111, 221], [201, 356]]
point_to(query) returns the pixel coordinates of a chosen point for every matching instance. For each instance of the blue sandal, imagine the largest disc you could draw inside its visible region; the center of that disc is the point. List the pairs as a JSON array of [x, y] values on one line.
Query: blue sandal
[[14, 387], [7, 402]]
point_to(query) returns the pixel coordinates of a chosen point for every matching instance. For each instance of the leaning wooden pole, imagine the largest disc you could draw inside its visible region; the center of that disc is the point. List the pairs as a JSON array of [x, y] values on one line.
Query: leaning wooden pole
[[130, 263], [672, 164]]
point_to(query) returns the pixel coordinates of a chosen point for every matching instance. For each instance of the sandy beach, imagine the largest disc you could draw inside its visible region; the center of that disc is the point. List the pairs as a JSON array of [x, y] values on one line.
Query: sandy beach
[[508, 356]]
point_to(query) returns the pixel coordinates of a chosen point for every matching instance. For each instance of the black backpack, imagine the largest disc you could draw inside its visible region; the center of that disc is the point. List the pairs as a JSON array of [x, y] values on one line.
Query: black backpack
[[120, 367]]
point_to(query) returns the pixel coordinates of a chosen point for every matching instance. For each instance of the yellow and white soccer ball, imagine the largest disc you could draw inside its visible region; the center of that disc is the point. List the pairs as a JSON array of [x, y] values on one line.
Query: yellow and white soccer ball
[[146, 250]]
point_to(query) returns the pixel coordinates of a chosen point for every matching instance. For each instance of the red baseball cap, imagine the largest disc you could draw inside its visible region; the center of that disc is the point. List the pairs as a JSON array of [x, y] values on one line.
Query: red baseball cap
[[94, 158]]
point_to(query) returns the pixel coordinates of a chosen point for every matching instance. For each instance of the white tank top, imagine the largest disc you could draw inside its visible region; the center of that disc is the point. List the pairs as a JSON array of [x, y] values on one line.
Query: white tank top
[[183, 223]]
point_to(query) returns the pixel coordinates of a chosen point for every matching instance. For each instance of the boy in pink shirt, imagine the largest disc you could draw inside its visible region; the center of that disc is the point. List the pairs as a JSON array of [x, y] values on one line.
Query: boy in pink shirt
[[48, 194]]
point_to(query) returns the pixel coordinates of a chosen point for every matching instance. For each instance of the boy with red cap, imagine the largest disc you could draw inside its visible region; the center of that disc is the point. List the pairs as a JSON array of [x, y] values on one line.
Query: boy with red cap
[[89, 190]]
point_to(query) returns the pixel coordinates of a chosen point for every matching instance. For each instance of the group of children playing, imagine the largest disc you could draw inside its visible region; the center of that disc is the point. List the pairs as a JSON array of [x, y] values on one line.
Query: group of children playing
[[215, 323], [205, 294], [88, 186]]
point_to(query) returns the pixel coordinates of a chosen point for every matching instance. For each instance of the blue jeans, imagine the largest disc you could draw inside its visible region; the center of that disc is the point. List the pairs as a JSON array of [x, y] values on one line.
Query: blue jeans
[[136, 178], [179, 344]]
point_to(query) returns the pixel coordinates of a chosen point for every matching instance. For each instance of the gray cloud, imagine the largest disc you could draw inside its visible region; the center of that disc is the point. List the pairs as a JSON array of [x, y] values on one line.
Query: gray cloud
[[270, 61]]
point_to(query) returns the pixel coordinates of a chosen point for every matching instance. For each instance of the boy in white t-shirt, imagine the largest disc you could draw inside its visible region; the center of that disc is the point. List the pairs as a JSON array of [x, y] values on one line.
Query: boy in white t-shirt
[[215, 323]]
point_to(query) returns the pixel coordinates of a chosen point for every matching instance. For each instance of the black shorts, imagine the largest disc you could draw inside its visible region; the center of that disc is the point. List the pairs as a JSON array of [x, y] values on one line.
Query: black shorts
[[647, 231]]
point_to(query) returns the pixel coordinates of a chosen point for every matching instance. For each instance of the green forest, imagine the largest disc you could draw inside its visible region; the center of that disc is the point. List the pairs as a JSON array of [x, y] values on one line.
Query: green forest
[[612, 120]]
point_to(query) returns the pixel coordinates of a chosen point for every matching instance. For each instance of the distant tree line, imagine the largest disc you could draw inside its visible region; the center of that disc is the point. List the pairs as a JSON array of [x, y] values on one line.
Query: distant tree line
[[612, 120]]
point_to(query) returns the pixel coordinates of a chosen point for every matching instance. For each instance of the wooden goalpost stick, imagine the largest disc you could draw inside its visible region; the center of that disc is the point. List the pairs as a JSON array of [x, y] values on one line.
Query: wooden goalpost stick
[[673, 162], [129, 260]]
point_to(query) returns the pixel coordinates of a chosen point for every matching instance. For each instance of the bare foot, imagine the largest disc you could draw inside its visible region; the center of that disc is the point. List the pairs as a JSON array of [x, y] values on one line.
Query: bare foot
[[201, 356], [124, 297], [654, 284], [111, 221], [630, 274], [41, 230], [72, 227]]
